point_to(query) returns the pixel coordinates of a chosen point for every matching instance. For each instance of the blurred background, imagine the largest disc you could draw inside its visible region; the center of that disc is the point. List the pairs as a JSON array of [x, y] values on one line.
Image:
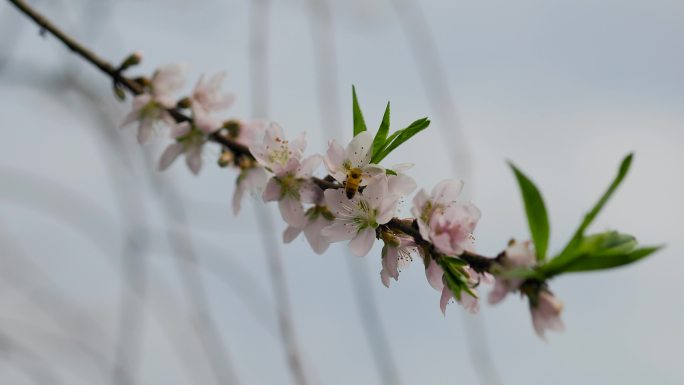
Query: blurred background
[[113, 273]]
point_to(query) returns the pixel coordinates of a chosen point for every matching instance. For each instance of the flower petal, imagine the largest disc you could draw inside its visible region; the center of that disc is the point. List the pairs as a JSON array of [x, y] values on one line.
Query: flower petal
[[387, 208], [447, 295], [291, 233], [359, 150], [376, 191], [401, 184], [193, 158], [272, 191], [292, 211], [337, 202], [434, 275], [447, 191], [361, 244], [312, 231], [339, 231], [169, 155], [334, 158]]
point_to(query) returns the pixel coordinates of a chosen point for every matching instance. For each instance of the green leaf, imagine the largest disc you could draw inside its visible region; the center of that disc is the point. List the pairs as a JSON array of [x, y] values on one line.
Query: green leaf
[[359, 124], [381, 136], [610, 260], [390, 172], [399, 137], [597, 251], [537, 219], [521, 273], [591, 215]]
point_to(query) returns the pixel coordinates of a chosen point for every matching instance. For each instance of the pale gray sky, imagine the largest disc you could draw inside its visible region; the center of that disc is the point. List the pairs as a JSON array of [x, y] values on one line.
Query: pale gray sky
[[562, 88]]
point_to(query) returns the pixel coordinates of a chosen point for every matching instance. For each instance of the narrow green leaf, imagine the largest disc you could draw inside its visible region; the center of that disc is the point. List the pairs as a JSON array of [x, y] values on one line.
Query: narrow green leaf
[[537, 219], [390, 172], [607, 243], [591, 215], [522, 273], [399, 137], [602, 262], [359, 124], [381, 136]]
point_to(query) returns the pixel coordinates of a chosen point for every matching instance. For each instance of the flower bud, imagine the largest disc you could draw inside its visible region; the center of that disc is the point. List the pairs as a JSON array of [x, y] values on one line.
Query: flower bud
[[232, 127], [226, 158], [184, 103], [133, 59]]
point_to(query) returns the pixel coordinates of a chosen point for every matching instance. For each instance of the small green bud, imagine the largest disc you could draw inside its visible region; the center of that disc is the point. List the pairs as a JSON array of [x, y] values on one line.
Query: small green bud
[[132, 60], [119, 91], [233, 128]]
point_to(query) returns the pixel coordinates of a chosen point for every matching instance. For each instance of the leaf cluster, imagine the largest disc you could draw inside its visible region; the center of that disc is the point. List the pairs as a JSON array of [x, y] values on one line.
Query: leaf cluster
[[583, 252], [383, 144]]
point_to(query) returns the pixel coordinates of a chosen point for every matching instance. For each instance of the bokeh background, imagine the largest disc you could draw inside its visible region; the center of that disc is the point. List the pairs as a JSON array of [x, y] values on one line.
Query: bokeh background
[[114, 273]]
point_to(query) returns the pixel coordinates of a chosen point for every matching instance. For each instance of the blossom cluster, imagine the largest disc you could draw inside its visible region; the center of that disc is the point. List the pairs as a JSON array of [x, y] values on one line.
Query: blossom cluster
[[356, 201]]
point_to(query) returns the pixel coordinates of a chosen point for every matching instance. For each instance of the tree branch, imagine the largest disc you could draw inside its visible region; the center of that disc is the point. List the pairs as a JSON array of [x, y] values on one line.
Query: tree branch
[[407, 226]]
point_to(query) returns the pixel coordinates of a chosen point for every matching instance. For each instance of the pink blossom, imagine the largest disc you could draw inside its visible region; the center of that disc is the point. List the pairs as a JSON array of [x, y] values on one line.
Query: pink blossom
[[317, 218], [208, 95], [358, 154], [443, 195], [275, 152], [468, 301], [516, 255], [546, 313], [451, 230], [150, 109], [189, 141], [251, 179], [356, 219], [396, 256], [208, 98], [245, 132], [291, 186]]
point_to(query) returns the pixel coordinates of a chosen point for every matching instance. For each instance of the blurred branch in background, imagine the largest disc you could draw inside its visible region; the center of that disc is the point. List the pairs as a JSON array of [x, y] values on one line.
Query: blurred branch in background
[[134, 259], [330, 120], [436, 83], [259, 20]]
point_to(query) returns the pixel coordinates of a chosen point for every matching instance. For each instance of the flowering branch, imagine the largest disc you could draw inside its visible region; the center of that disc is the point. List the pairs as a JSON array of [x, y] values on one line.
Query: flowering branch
[[357, 200]]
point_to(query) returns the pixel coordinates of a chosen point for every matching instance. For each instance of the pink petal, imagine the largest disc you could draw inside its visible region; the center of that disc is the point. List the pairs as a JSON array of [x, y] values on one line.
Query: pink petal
[[361, 244], [387, 208], [447, 191], [272, 191], [193, 158], [292, 211], [169, 155], [334, 158], [339, 231], [447, 295], [434, 275], [391, 262], [181, 129], [308, 166], [360, 149], [337, 202], [375, 192], [401, 184], [470, 303], [310, 193], [145, 130], [291, 233], [312, 232]]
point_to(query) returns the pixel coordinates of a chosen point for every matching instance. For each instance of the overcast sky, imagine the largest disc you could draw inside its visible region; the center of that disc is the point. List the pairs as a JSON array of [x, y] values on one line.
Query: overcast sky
[[564, 89]]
